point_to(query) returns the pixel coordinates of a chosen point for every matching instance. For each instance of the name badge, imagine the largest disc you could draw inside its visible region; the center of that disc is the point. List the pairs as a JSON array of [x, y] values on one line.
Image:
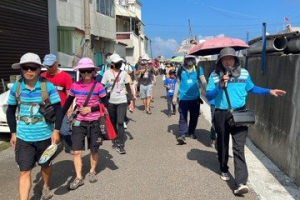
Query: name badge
[[117, 90], [189, 81]]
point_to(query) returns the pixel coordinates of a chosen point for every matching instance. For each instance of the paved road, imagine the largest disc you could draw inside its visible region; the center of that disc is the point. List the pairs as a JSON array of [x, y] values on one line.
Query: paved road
[[155, 167]]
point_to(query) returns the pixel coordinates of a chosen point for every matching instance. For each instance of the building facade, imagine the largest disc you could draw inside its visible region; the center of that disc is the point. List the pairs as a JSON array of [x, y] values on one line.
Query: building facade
[[130, 29]]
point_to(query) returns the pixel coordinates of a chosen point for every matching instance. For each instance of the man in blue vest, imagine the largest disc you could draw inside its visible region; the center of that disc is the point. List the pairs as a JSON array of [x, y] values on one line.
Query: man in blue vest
[[238, 82]]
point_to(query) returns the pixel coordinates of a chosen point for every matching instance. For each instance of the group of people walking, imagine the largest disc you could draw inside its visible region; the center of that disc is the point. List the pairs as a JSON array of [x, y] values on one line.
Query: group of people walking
[[116, 86]]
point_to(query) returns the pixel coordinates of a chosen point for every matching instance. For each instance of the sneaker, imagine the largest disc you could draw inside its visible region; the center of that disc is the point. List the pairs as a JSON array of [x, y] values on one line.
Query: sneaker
[[115, 145], [125, 125], [225, 176], [46, 194], [121, 150], [181, 140], [92, 177], [242, 189], [76, 183], [193, 136]]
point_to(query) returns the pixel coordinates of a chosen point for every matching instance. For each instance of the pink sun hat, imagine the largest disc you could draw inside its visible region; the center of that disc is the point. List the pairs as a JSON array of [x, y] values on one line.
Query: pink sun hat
[[86, 63]]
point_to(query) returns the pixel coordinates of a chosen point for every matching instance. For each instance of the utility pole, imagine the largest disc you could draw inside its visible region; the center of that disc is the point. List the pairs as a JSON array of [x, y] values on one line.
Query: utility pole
[[87, 29], [190, 31], [151, 49], [263, 53]]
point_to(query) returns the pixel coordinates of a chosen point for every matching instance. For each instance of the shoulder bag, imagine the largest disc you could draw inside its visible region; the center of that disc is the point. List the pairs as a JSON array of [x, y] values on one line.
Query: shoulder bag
[[239, 117]]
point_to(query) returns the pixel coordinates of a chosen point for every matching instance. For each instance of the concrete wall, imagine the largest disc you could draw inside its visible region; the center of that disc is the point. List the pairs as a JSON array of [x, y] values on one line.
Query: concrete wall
[[277, 131], [71, 14]]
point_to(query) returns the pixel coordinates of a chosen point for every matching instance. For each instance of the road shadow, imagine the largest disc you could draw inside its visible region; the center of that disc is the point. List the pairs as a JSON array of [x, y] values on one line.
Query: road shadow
[[64, 173], [203, 136], [210, 161], [165, 111], [140, 107]]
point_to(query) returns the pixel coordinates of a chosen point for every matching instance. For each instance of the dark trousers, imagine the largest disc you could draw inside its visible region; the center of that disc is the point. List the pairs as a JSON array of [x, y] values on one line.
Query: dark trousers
[[239, 135], [117, 113], [193, 107], [212, 128], [170, 104]]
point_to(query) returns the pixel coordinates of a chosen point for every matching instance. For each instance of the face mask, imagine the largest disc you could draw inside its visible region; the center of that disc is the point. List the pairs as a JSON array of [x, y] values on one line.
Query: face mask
[[118, 65], [108, 61]]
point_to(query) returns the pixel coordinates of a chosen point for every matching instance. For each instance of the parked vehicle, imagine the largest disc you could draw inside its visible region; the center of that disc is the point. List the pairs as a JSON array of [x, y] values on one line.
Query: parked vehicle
[[4, 97]]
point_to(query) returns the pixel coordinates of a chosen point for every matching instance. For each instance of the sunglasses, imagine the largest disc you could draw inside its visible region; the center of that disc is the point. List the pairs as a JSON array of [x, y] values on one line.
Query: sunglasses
[[83, 71], [31, 68]]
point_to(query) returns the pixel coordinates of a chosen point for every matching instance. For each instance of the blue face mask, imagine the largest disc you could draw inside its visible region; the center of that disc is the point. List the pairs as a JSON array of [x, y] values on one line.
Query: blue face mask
[[108, 61]]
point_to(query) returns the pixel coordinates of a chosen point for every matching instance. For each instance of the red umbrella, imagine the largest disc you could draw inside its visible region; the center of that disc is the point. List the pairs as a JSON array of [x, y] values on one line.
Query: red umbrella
[[215, 45]]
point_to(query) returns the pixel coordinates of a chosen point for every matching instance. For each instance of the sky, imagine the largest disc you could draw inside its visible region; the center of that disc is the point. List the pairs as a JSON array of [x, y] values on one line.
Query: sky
[[168, 22]]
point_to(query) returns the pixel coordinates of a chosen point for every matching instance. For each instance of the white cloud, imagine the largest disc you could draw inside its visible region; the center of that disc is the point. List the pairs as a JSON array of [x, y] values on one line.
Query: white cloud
[[209, 37], [164, 47]]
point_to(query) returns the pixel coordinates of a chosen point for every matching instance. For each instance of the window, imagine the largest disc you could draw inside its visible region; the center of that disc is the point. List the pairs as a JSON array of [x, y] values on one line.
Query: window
[[106, 7]]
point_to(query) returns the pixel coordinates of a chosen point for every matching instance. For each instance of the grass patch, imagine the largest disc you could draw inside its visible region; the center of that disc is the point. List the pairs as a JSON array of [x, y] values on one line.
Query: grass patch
[[4, 145]]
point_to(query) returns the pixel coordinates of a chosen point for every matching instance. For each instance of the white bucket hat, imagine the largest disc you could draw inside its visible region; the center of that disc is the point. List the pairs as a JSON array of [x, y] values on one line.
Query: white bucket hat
[[28, 58]]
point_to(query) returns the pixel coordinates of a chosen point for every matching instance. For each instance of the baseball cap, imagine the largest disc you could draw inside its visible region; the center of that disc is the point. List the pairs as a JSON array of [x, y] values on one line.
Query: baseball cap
[[115, 58], [49, 60], [28, 58]]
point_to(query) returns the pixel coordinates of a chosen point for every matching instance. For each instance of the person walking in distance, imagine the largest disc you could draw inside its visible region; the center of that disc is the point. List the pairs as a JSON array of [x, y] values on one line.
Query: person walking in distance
[[146, 81], [118, 85], [238, 82], [62, 82], [189, 79], [169, 84]]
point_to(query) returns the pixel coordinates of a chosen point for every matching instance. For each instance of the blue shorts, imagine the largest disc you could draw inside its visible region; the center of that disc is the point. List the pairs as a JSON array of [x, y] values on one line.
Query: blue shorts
[[145, 91]]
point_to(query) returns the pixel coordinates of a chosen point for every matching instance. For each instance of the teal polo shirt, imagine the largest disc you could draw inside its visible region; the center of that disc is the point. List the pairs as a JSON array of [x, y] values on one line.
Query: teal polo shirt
[[237, 90], [189, 84], [30, 101]]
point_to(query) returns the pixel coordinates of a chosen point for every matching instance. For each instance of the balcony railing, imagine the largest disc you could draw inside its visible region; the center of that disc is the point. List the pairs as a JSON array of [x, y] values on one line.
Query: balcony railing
[[128, 38]]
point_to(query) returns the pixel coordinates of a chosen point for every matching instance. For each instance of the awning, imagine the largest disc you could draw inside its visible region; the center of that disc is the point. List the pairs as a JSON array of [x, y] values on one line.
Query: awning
[[120, 10]]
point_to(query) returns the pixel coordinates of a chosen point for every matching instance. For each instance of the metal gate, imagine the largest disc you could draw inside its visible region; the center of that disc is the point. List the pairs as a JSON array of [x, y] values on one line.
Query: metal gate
[[23, 28]]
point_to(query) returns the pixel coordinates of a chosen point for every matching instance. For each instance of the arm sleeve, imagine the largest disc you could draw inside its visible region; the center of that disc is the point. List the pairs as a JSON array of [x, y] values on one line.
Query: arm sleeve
[[260, 90], [58, 114], [212, 89], [127, 86], [62, 111], [211, 94], [11, 117], [95, 108]]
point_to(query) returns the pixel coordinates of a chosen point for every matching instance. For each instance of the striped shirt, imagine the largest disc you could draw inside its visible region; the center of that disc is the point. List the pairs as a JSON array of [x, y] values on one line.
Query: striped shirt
[[237, 89], [30, 101], [80, 91]]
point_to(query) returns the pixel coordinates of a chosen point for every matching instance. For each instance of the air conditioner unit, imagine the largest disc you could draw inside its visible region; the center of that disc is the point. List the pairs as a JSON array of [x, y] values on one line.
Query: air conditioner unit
[[123, 2]]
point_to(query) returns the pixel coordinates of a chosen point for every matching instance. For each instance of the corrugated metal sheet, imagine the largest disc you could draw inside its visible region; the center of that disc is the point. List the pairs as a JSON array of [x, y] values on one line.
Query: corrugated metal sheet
[[23, 28]]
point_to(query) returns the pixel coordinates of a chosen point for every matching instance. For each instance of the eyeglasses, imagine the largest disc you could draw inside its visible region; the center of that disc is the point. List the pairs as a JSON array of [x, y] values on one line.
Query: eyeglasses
[[83, 71], [31, 68]]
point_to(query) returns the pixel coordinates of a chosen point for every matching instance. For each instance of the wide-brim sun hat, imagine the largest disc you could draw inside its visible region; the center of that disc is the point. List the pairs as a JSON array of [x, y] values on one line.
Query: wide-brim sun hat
[[227, 51], [86, 63], [28, 58]]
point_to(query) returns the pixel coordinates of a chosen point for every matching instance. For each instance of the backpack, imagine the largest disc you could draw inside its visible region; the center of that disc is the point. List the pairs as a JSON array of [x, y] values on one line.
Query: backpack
[[46, 109], [179, 72]]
